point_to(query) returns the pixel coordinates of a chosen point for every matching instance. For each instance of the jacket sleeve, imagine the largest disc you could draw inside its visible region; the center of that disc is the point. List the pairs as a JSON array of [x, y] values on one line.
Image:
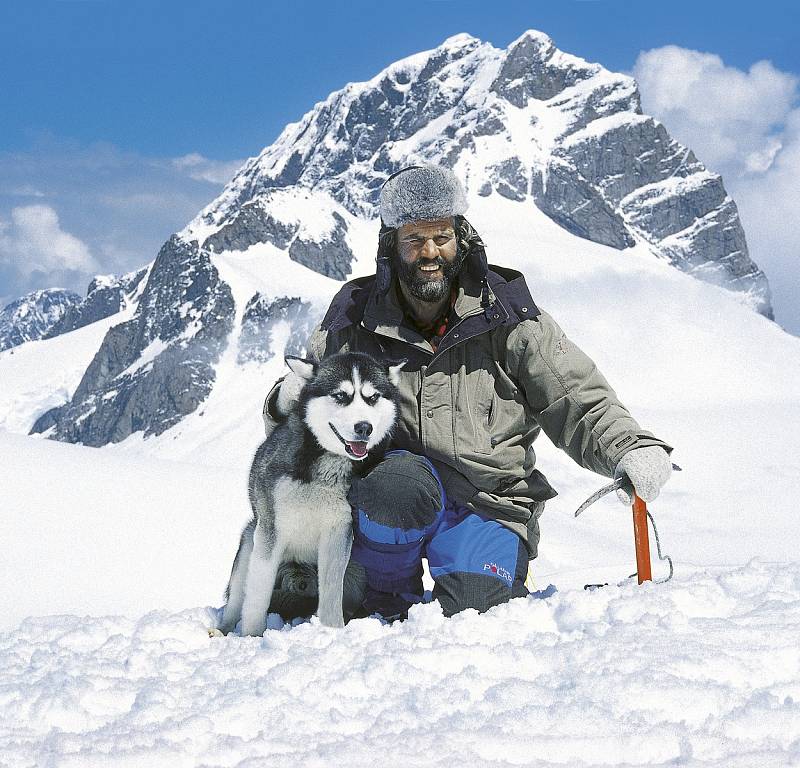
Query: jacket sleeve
[[315, 350], [570, 399]]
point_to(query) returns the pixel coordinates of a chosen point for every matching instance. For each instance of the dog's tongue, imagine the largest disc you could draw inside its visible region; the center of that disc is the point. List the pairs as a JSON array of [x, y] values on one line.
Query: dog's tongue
[[357, 448]]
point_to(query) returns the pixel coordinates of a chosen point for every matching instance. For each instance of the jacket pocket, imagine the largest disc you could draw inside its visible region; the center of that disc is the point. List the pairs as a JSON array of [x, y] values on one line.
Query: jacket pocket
[[479, 408]]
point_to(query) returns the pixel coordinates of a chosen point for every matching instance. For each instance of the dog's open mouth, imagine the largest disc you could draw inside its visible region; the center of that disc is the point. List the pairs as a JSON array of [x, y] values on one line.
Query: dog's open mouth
[[355, 448]]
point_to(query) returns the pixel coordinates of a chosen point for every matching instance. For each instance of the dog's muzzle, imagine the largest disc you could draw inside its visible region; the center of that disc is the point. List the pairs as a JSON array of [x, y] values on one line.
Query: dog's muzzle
[[356, 449]]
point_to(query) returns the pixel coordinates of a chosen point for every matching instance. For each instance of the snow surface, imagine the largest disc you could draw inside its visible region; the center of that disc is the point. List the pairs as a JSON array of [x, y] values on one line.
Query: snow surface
[[702, 671], [121, 554]]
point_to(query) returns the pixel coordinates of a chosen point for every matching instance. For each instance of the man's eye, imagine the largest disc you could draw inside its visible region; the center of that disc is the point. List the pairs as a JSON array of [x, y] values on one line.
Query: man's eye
[[442, 239]]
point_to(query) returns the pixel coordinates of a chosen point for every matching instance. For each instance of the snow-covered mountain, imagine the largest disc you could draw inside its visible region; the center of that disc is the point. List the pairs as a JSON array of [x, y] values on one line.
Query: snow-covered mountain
[[47, 313], [31, 316], [140, 535], [532, 131], [105, 296]]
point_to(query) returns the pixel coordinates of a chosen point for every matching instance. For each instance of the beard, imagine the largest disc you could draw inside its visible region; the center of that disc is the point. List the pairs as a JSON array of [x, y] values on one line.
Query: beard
[[425, 288]]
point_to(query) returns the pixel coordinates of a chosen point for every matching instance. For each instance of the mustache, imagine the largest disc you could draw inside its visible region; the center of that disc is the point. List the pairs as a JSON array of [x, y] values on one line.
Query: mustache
[[428, 262]]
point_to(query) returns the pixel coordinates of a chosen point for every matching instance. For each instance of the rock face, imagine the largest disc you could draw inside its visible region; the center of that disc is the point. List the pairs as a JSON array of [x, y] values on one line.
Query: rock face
[[281, 325], [155, 368], [105, 296], [529, 124], [330, 255], [31, 316]]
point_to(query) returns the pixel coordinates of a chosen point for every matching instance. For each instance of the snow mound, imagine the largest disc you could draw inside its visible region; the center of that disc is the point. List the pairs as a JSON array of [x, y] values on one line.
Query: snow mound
[[704, 670]]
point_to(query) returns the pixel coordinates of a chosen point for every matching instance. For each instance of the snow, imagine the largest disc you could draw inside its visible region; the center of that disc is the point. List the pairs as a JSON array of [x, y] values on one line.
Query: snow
[[119, 557], [115, 559], [43, 374], [702, 671]]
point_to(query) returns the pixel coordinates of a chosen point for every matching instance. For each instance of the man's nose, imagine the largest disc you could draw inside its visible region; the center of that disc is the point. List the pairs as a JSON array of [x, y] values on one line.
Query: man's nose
[[429, 249], [363, 429]]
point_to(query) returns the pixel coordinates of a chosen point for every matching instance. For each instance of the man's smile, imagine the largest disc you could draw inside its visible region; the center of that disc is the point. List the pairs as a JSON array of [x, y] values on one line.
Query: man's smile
[[429, 268]]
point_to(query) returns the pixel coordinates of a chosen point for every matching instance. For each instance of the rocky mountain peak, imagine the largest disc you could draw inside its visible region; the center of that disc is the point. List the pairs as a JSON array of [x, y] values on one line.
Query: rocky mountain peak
[[530, 124], [31, 316]]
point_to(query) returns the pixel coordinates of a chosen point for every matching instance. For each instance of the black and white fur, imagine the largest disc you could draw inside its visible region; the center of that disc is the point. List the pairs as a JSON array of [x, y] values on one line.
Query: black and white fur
[[299, 481]]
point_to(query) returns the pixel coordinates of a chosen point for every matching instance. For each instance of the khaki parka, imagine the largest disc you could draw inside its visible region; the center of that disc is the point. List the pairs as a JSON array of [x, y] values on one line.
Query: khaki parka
[[503, 371]]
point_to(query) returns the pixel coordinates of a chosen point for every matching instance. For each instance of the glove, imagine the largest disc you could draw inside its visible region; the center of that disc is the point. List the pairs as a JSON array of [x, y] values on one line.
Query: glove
[[647, 468]]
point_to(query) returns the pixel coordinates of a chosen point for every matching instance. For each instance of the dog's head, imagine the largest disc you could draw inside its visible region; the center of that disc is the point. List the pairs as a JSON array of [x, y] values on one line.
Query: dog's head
[[349, 402]]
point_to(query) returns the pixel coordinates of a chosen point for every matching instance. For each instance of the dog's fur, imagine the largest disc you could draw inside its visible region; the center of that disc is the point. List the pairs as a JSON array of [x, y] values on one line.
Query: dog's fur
[[299, 481]]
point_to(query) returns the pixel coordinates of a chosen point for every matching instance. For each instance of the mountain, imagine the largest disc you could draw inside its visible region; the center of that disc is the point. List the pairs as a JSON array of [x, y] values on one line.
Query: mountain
[[31, 316], [533, 132], [105, 296]]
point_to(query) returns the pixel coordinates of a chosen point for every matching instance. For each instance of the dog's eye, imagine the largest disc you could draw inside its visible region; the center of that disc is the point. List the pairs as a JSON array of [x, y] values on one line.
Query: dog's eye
[[372, 399], [342, 398]]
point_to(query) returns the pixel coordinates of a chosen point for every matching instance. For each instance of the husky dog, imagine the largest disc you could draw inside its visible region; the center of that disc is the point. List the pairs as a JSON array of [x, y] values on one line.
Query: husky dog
[[299, 481]]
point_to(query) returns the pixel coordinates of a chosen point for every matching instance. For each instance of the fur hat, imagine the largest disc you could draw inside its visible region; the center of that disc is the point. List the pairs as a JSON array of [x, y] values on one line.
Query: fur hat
[[421, 193]]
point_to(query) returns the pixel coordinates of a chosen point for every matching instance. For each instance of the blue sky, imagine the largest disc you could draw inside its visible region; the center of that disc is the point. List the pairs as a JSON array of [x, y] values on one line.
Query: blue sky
[[124, 118]]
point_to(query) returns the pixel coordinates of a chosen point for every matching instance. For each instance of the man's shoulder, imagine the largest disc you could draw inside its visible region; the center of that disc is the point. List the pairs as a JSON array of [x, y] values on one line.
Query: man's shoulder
[[511, 288], [347, 306]]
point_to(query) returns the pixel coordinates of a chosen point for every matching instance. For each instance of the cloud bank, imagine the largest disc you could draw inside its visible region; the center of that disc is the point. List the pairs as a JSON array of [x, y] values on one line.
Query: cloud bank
[[744, 125], [69, 211]]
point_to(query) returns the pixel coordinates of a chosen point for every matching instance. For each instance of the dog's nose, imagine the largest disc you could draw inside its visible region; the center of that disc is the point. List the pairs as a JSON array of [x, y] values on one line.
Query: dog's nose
[[363, 429]]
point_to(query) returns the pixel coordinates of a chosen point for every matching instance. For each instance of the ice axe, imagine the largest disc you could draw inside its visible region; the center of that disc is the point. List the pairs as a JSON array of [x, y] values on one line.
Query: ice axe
[[640, 531]]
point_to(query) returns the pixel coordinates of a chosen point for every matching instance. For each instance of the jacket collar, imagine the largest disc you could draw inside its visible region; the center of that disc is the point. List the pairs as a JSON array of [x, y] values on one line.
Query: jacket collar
[[509, 302]]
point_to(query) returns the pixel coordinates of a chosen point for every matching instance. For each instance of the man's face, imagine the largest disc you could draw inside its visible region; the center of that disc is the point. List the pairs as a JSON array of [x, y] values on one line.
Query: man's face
[[427, 258]]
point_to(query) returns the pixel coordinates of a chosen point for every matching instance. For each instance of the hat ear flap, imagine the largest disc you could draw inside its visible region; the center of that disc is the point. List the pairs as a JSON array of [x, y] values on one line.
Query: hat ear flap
[[476, 263], [387, 242]]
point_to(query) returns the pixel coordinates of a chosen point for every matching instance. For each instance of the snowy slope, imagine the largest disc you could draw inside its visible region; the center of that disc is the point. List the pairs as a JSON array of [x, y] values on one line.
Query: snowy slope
[[702, 671], [549, 141]]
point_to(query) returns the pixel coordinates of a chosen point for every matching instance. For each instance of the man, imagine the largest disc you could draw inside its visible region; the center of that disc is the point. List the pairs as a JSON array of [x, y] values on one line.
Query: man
[[487, 370]]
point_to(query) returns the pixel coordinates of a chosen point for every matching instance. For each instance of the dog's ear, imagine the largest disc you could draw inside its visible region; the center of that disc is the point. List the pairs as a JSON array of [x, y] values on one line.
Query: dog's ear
[[305, 369], [394, 372]]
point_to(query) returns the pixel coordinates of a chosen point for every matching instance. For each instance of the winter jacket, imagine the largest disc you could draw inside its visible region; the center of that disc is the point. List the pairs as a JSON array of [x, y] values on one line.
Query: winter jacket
[[503, 371]]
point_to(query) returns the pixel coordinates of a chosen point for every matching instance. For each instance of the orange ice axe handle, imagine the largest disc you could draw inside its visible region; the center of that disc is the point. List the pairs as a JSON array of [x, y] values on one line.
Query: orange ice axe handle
[[642, 540]]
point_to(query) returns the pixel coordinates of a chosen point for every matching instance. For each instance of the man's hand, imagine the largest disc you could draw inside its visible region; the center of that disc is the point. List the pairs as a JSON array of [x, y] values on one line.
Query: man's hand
[[647, 468]]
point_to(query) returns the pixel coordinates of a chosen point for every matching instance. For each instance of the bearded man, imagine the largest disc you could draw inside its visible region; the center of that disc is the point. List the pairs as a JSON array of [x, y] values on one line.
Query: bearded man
[[486, 371]]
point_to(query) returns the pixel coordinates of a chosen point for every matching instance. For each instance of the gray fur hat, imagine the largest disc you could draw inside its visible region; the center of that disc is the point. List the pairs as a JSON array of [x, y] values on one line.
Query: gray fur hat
[[421, 193]]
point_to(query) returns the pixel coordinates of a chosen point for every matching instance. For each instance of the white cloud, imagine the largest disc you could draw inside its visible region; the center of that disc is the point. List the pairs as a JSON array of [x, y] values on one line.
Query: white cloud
[[202, 169], [744, 125], [730, 118], [25, 190], [118, 206], [34, 242]]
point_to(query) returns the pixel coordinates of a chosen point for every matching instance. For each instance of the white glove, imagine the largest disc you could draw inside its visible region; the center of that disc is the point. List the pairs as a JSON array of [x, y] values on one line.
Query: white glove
[[647, 468]]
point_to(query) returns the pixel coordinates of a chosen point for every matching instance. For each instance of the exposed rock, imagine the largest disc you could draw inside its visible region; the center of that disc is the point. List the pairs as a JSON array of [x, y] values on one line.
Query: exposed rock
[[332, 256], [529, 72], [251, 225], [158, 366], [510, 179], [280, 326], [105, 296], [31, 316]]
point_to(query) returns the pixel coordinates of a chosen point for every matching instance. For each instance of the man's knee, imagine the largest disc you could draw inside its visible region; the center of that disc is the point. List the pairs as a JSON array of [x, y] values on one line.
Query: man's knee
[[477, 564], [395, 507], [402, 492]]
